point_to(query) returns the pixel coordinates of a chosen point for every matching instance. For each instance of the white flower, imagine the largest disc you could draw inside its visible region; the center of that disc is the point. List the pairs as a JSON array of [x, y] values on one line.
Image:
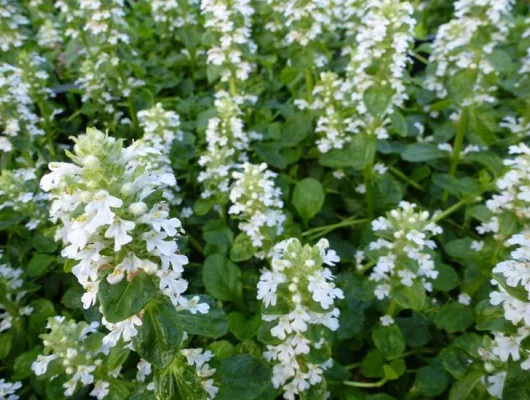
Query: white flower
[[464, 298], [40, 365], [99, 210], [8, 389], [101, 390], [144, 369], [91, 292], [118, 231], [125, 329], [298, 278], [84, 375], [386, 320]]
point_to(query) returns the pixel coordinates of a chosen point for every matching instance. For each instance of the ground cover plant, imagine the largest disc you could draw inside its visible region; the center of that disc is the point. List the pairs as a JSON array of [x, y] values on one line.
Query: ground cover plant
[[264, 199]]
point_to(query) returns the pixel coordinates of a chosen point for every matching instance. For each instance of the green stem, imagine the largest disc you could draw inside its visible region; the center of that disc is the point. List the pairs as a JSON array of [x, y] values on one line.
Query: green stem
[[49, 132], [420, 58], [457, 146], [410, 353], [309, 84], [347, 222], [195, 243], [406, 179], [132, 111], [233, 86], [451, 210], [391, 308], [368, 173], [366, 384], [369, 195], [352, 366], [366, 267]]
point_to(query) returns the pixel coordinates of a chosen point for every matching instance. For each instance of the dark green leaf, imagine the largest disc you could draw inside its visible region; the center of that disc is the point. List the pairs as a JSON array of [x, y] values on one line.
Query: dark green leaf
[[125, 299], [160, 334]]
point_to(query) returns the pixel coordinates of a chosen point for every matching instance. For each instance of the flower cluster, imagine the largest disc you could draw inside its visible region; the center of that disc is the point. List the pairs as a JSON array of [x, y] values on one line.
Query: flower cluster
[[514, 192], [331, 99], [11, 308], [403, 250], [33, 72], [230, 23], [199, 359], [227, 143], [17, 114], [13, 23], [161, 129], [494, 367], [110, 219], [19, 192], [76, 350], [8, 389], [303, 21], [102, 83], [98, 21], [49, 35], [298, 296], [170, 15], [257, 203], [104, 74], [463, 45], [385, 36], [513, 293]]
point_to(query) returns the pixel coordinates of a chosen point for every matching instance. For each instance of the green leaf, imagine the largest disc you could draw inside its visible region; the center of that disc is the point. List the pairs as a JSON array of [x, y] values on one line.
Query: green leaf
[[399, 123], [454, 317], [372, 365], [377, 100], [410, 297], [394, 370], [22, 366], [221, 278], [117, 356], [447, 278], [462, 85], [42, 310], [460, 248], [357, 154], [501, 61], [117, 390], [456, 361], [432, 380], [389, 340], [456, 186], [242, 249], [422, 152], [39, 264], [351, 323], [517, 384], [44, 244], [415, 330], [6, 340], [217, 233], [212, 324], [491, 318], [203, 206], [243, 328], [125, 299], [462, 390], [221, 349], [160, 334], [308, 198], [241, 377], [518, 292]]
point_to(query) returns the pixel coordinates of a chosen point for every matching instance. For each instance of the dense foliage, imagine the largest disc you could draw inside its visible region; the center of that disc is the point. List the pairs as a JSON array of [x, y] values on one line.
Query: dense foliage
[[264, 199]]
